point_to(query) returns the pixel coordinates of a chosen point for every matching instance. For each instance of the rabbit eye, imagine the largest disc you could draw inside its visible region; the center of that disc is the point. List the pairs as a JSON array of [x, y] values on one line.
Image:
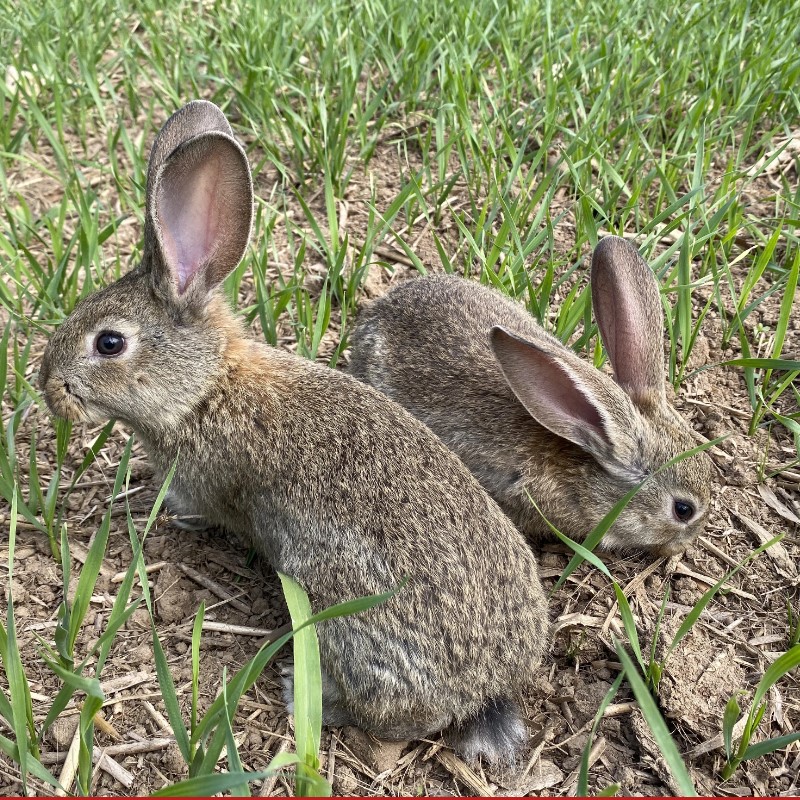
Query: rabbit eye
[[109, 343], [683, 511]]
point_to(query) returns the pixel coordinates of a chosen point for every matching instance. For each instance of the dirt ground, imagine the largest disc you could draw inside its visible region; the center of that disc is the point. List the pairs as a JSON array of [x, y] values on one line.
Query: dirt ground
[[741, 632]]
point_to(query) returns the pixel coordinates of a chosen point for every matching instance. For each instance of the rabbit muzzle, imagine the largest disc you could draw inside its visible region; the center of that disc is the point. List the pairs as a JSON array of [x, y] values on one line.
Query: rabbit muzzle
[[64, 399]]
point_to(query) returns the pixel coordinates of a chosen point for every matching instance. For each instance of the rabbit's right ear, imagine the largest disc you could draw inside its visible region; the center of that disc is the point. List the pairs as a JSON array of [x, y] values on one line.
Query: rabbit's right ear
[[199, 205], [194, 118], [627, 305], [568, 398]]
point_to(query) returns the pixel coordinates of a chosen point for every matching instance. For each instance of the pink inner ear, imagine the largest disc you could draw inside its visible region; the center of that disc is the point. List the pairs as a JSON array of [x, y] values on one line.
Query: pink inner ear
[[567, 401], [623, 324], [548, 389], [189, 216]]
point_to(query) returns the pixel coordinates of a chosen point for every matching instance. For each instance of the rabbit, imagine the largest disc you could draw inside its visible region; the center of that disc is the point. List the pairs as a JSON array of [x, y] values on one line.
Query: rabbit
[[532, 420], [337, 486]]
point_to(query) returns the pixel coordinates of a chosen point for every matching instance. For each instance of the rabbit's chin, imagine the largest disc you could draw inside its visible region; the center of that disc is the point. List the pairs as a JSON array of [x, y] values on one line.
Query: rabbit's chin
[[675, 548], [623, 543]]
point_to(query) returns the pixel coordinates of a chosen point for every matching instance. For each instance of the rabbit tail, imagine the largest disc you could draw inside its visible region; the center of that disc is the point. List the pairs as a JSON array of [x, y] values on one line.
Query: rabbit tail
[[494, 734]]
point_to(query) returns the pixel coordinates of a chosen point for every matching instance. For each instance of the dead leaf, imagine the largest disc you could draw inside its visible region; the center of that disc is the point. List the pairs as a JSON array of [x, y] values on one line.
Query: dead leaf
[[771, 499], [777, 552]]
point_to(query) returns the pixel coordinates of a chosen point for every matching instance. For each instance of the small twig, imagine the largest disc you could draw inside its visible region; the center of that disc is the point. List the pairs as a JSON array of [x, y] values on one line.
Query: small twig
[[680, 569], [120, 576], [535, 756], [81, 553], [331, 760], [115, 770], [269, 783], [134, 748], [734, 412], [125, 749], [70, 767], [575, 620], [158, 717], [717, 741], [125, 493], [720, 554], [243, 630], [459, 770], [598, 748], [785, 474], [214, 588], [617, 709], [629, 589]]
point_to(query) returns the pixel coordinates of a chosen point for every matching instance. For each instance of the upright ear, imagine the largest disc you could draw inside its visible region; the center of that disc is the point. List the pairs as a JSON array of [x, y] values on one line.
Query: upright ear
[[567, 397], [627, 305], [194, 118], [199, 211]]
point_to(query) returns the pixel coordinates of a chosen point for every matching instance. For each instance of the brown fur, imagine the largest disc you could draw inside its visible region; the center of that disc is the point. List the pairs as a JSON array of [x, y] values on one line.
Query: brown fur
[[337, 486], [475, 367]]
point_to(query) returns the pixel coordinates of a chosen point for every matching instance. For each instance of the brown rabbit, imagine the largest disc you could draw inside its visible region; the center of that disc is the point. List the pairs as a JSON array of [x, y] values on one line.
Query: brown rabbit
[[531, 419], [337, 486]]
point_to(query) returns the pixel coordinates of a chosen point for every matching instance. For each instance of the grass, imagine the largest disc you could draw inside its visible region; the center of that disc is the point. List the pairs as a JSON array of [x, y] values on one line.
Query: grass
[[493, 137]]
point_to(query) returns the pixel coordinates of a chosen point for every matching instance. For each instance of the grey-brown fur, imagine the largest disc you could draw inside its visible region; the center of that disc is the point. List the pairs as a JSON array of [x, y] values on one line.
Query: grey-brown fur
[[337, 486], [492, 383]]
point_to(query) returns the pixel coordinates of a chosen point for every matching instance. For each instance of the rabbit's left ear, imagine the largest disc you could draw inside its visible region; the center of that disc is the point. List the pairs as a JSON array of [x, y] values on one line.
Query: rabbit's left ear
[[627, 305], [191, 120]]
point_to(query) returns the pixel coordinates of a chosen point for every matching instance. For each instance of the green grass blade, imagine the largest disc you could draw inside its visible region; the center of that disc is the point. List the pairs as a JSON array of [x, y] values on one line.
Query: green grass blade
[[630, 625], [729, 717], [770, 746], [170, 697], [655, 721], [250, 672], [698, 607], [783, 664], [87, 582], [232, 749], [18, 689], [197, 631], [307, 684], [210, 785], [35, 767], [583, 772]]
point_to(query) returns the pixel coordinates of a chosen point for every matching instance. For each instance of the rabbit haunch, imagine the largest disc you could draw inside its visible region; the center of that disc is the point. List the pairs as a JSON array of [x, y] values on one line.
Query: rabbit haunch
[[337, 486], [533, 421]]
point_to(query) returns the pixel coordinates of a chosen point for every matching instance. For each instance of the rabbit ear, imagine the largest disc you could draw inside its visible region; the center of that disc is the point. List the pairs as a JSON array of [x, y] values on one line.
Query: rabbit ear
[[194, 118], [568, 398], [627, 305], [199, 214]]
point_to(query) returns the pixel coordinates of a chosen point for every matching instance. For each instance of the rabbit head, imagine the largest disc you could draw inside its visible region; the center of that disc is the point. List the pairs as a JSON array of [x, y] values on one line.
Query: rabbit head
[[146, 347], [627, 427]]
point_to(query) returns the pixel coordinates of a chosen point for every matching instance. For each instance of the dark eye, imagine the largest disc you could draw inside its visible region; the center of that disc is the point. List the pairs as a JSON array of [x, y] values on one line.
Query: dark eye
[[683, 511], [109, 343]]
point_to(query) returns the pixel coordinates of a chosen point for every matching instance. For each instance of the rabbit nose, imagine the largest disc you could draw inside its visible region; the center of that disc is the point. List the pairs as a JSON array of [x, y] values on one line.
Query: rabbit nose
[[53, 389], [61, 398]]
